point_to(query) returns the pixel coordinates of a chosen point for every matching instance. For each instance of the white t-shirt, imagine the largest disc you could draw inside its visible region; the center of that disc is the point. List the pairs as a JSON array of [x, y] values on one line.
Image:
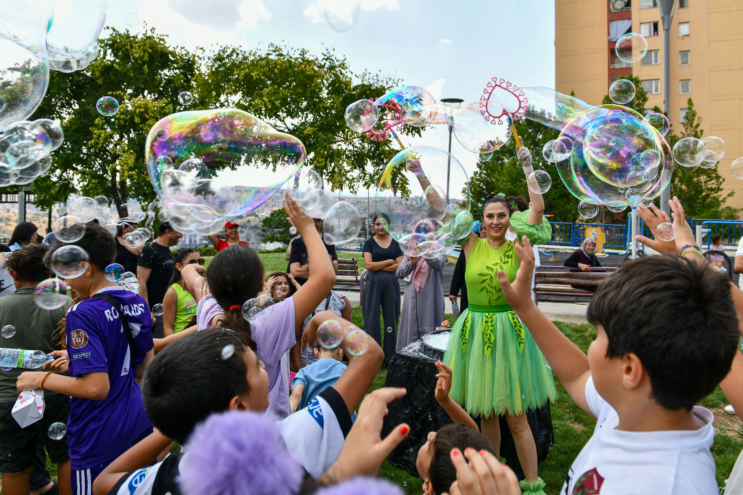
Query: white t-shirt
[[313, 436], [616, 462], [739, 252]]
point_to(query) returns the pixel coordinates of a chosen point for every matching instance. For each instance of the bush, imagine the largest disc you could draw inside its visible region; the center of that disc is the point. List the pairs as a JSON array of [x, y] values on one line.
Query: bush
[[205, 250]]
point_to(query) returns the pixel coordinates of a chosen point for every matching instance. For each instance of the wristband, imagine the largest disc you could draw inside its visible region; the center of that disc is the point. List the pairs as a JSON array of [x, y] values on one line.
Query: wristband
[[41, 385], [691, 250], [686, 246]]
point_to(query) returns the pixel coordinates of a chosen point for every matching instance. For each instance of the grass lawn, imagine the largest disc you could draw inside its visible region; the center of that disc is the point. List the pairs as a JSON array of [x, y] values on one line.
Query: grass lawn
[[572, 426]]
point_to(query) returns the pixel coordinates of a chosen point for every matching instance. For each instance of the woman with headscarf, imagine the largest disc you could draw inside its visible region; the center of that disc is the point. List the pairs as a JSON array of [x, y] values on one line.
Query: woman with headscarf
[[584, 257], [423, 304]]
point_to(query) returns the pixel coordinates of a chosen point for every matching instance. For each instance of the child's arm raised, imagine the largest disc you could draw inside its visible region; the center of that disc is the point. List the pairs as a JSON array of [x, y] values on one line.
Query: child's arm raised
[[454, 410], [362, 369], [568, 362], [321, 272]]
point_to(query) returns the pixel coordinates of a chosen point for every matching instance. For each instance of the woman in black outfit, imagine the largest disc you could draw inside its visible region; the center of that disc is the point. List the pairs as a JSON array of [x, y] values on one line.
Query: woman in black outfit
[[584, 258], [126, 256]]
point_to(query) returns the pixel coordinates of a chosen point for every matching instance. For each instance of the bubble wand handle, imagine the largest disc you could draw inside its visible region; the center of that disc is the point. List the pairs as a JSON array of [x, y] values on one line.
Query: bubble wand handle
[[515, 134], [394, 134]]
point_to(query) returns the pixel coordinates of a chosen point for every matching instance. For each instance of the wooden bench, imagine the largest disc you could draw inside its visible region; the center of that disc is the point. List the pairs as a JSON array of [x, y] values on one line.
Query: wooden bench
[[559, 281], [348, 273]]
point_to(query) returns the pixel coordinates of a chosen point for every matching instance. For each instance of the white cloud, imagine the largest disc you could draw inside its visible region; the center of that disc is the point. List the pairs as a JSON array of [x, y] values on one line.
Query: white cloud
[[222, 15], [436, 88], [446, 41], [313, 12], [378, 4]]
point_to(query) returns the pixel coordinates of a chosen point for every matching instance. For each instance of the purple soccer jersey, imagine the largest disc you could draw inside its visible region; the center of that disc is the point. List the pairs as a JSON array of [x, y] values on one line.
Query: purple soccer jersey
[[99, 431]]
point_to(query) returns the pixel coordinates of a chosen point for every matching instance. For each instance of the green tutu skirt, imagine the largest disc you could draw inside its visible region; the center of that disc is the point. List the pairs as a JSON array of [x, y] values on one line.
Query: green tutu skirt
[[499, 371]]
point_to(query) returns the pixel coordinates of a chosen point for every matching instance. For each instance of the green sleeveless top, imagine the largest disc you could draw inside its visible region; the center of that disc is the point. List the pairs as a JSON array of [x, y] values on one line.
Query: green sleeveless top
[[185, 308]]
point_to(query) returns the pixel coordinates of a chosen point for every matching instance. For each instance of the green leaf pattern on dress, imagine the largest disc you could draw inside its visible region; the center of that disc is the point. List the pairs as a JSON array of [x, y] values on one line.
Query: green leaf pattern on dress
[[488, 334], [493, 290], [519, 327], [465, 332]]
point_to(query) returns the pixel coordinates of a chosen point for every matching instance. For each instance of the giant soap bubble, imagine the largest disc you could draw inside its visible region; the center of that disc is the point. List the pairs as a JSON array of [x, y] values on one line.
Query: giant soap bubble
[[342, 223], [73, 35], [244, 163], [412, 104], [478, 135], [412, 204], [341, 14], [25, 149]]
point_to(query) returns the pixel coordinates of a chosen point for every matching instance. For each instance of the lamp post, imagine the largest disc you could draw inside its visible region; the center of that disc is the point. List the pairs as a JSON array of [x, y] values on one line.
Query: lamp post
[[666, 16], [450, 102]]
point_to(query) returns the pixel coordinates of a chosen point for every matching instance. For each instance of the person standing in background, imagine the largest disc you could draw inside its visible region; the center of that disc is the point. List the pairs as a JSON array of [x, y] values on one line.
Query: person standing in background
[[457, 280], [231, 237], [155, 267], [423, 306]]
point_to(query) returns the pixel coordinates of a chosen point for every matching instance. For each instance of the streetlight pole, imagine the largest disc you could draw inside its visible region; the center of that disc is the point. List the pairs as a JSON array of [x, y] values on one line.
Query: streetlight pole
[[450, 102], [666, 16]]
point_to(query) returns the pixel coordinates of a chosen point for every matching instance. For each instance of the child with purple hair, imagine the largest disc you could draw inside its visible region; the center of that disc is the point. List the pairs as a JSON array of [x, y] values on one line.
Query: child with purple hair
[[214, 371]]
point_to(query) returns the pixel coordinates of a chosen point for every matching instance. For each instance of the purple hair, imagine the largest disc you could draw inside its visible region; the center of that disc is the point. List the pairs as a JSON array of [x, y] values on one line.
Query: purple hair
[[362, 486], [239, 453]]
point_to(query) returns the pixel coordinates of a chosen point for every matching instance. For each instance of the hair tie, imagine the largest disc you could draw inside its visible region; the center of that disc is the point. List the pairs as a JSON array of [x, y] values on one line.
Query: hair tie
[[501, 195], [236, 306]]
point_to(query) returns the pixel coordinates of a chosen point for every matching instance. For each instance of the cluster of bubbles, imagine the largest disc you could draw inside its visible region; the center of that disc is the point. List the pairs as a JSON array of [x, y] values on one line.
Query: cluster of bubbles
[[38, 35], [25, 150], [705, 153], [341, 14], [258, 309], [330, 336], [129, 282], [412, 202]]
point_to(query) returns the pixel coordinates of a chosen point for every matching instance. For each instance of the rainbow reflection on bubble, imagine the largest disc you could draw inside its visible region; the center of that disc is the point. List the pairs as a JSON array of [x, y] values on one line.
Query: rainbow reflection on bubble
[[418, 105], [236, 162]]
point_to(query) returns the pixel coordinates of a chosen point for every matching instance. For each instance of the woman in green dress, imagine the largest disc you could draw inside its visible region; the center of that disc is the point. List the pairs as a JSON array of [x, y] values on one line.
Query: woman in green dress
[[498, 370]]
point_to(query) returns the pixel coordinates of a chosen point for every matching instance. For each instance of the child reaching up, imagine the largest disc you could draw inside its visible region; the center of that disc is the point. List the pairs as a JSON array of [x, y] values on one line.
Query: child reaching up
[[313, 379], [667, 332]]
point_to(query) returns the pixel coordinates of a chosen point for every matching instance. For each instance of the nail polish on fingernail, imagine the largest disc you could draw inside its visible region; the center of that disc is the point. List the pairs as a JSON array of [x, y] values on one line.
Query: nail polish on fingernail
[[455, 453], [468, 450], [404, 430], [482, 453]]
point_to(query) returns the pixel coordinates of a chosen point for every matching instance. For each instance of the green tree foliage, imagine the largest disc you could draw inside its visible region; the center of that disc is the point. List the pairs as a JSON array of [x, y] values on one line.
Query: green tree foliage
[[306, 96], [503, 173], [105, 155], [276, 227]]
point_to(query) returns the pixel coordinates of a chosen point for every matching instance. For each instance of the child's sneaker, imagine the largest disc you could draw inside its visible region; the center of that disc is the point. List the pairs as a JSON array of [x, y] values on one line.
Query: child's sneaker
[[729, 409]]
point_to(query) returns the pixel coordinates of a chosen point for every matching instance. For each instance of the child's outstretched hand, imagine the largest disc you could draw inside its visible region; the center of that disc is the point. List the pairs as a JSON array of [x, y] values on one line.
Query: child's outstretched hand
[[443, 385], [518, 293], [297, 216], [653, 217], [483, 475]]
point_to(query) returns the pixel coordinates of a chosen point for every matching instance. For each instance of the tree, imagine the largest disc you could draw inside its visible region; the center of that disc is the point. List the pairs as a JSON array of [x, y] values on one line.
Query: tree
[[306, 96], [503, 173], [105, 155], [276, 227]]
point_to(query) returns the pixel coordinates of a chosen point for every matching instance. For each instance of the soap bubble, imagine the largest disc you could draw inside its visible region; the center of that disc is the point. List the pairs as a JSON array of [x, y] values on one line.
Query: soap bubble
[[227, 352], [411, 197], [708, 164], [7, 363], [131, 19], [588, 209], [107, 106], [737, 168], [539, 181], [412, 105], [114, 272], [57, 431], [200, 284], [687, 150], [547, 150], [357, 342], [163, 162], [101, 201], [185, 98], [70, 261], [617, 206], [622, 91], [8, 331], [51, 294], [329, 334], [361, 115], [485, 157], [162, 135], [256, 310], [665, 232], [714, 148], [389, 329], [478, 135], [341, 14], [659, 122], [631, 48], [293, 230], [83, 208], [243, 167], [73, 36], [158, 310], [562, 148], [342, 223], [129, 282], [47, 133], [303, 188]]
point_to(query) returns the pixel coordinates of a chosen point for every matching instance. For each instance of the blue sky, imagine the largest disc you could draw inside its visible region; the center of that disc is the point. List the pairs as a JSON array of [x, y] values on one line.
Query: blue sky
[[451, 48]]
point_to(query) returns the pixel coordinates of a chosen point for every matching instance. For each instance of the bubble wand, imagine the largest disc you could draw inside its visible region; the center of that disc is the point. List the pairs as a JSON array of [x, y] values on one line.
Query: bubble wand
[[511, 113]]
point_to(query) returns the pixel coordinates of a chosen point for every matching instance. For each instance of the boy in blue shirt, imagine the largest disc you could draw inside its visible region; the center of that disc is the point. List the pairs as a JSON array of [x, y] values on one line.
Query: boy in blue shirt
[[109, 344], [313, 379]]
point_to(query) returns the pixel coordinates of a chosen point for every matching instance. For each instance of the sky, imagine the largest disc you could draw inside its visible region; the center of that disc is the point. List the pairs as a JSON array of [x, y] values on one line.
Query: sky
[[450, 48]]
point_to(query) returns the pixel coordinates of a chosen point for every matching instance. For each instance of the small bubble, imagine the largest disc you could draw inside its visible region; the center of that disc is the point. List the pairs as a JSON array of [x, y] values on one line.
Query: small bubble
[[185, 98], [158, 310], [57, 431], [8, 331], [7, 363], [389, 329], [228, 351]]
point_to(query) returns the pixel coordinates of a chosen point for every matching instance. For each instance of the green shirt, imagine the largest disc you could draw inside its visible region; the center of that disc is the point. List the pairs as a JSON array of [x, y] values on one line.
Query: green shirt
[[185, 308], [34, 329]]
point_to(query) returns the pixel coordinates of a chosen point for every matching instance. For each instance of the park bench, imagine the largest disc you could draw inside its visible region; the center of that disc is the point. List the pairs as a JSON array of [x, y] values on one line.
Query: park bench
[[560, 281], [348, 273]]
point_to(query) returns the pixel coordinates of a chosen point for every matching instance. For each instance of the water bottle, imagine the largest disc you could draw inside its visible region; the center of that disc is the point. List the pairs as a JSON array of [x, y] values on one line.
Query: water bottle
[[20, 358], [455, 309]]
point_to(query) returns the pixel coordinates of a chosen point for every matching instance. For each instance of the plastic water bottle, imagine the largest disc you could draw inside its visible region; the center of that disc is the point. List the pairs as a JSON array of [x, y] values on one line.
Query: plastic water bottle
[[20, 358], [455, 309]]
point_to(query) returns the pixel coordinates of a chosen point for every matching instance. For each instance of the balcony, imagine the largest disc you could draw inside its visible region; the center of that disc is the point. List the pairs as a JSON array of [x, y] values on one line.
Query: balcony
[[619, 64]]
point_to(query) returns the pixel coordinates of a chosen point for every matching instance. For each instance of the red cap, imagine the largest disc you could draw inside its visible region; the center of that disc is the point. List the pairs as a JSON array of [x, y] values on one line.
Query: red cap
[[230, 224]]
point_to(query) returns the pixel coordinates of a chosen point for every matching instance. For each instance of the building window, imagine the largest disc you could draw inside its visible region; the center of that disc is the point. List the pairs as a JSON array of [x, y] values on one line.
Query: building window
[[683, 114], [683, 4], [651, 86], [652, 57], [648, 4], [685, 86], [618, 63], [684, 29], [616, 6], [685, 58], [649, 29]]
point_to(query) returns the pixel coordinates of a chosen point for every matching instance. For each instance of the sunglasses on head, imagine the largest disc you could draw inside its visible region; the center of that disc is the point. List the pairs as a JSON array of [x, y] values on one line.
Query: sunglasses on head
[[200, 261]]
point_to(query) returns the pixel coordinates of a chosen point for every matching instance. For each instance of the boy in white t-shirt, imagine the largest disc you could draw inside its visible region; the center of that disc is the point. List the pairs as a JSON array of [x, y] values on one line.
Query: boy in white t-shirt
[[667, 332]]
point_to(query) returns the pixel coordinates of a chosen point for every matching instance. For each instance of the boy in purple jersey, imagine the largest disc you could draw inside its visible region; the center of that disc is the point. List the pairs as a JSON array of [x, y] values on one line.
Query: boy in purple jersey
[[106, 412]]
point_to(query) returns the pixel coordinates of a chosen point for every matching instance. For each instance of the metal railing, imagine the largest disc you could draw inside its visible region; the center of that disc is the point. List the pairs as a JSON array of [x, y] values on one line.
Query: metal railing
[[730, 230]]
